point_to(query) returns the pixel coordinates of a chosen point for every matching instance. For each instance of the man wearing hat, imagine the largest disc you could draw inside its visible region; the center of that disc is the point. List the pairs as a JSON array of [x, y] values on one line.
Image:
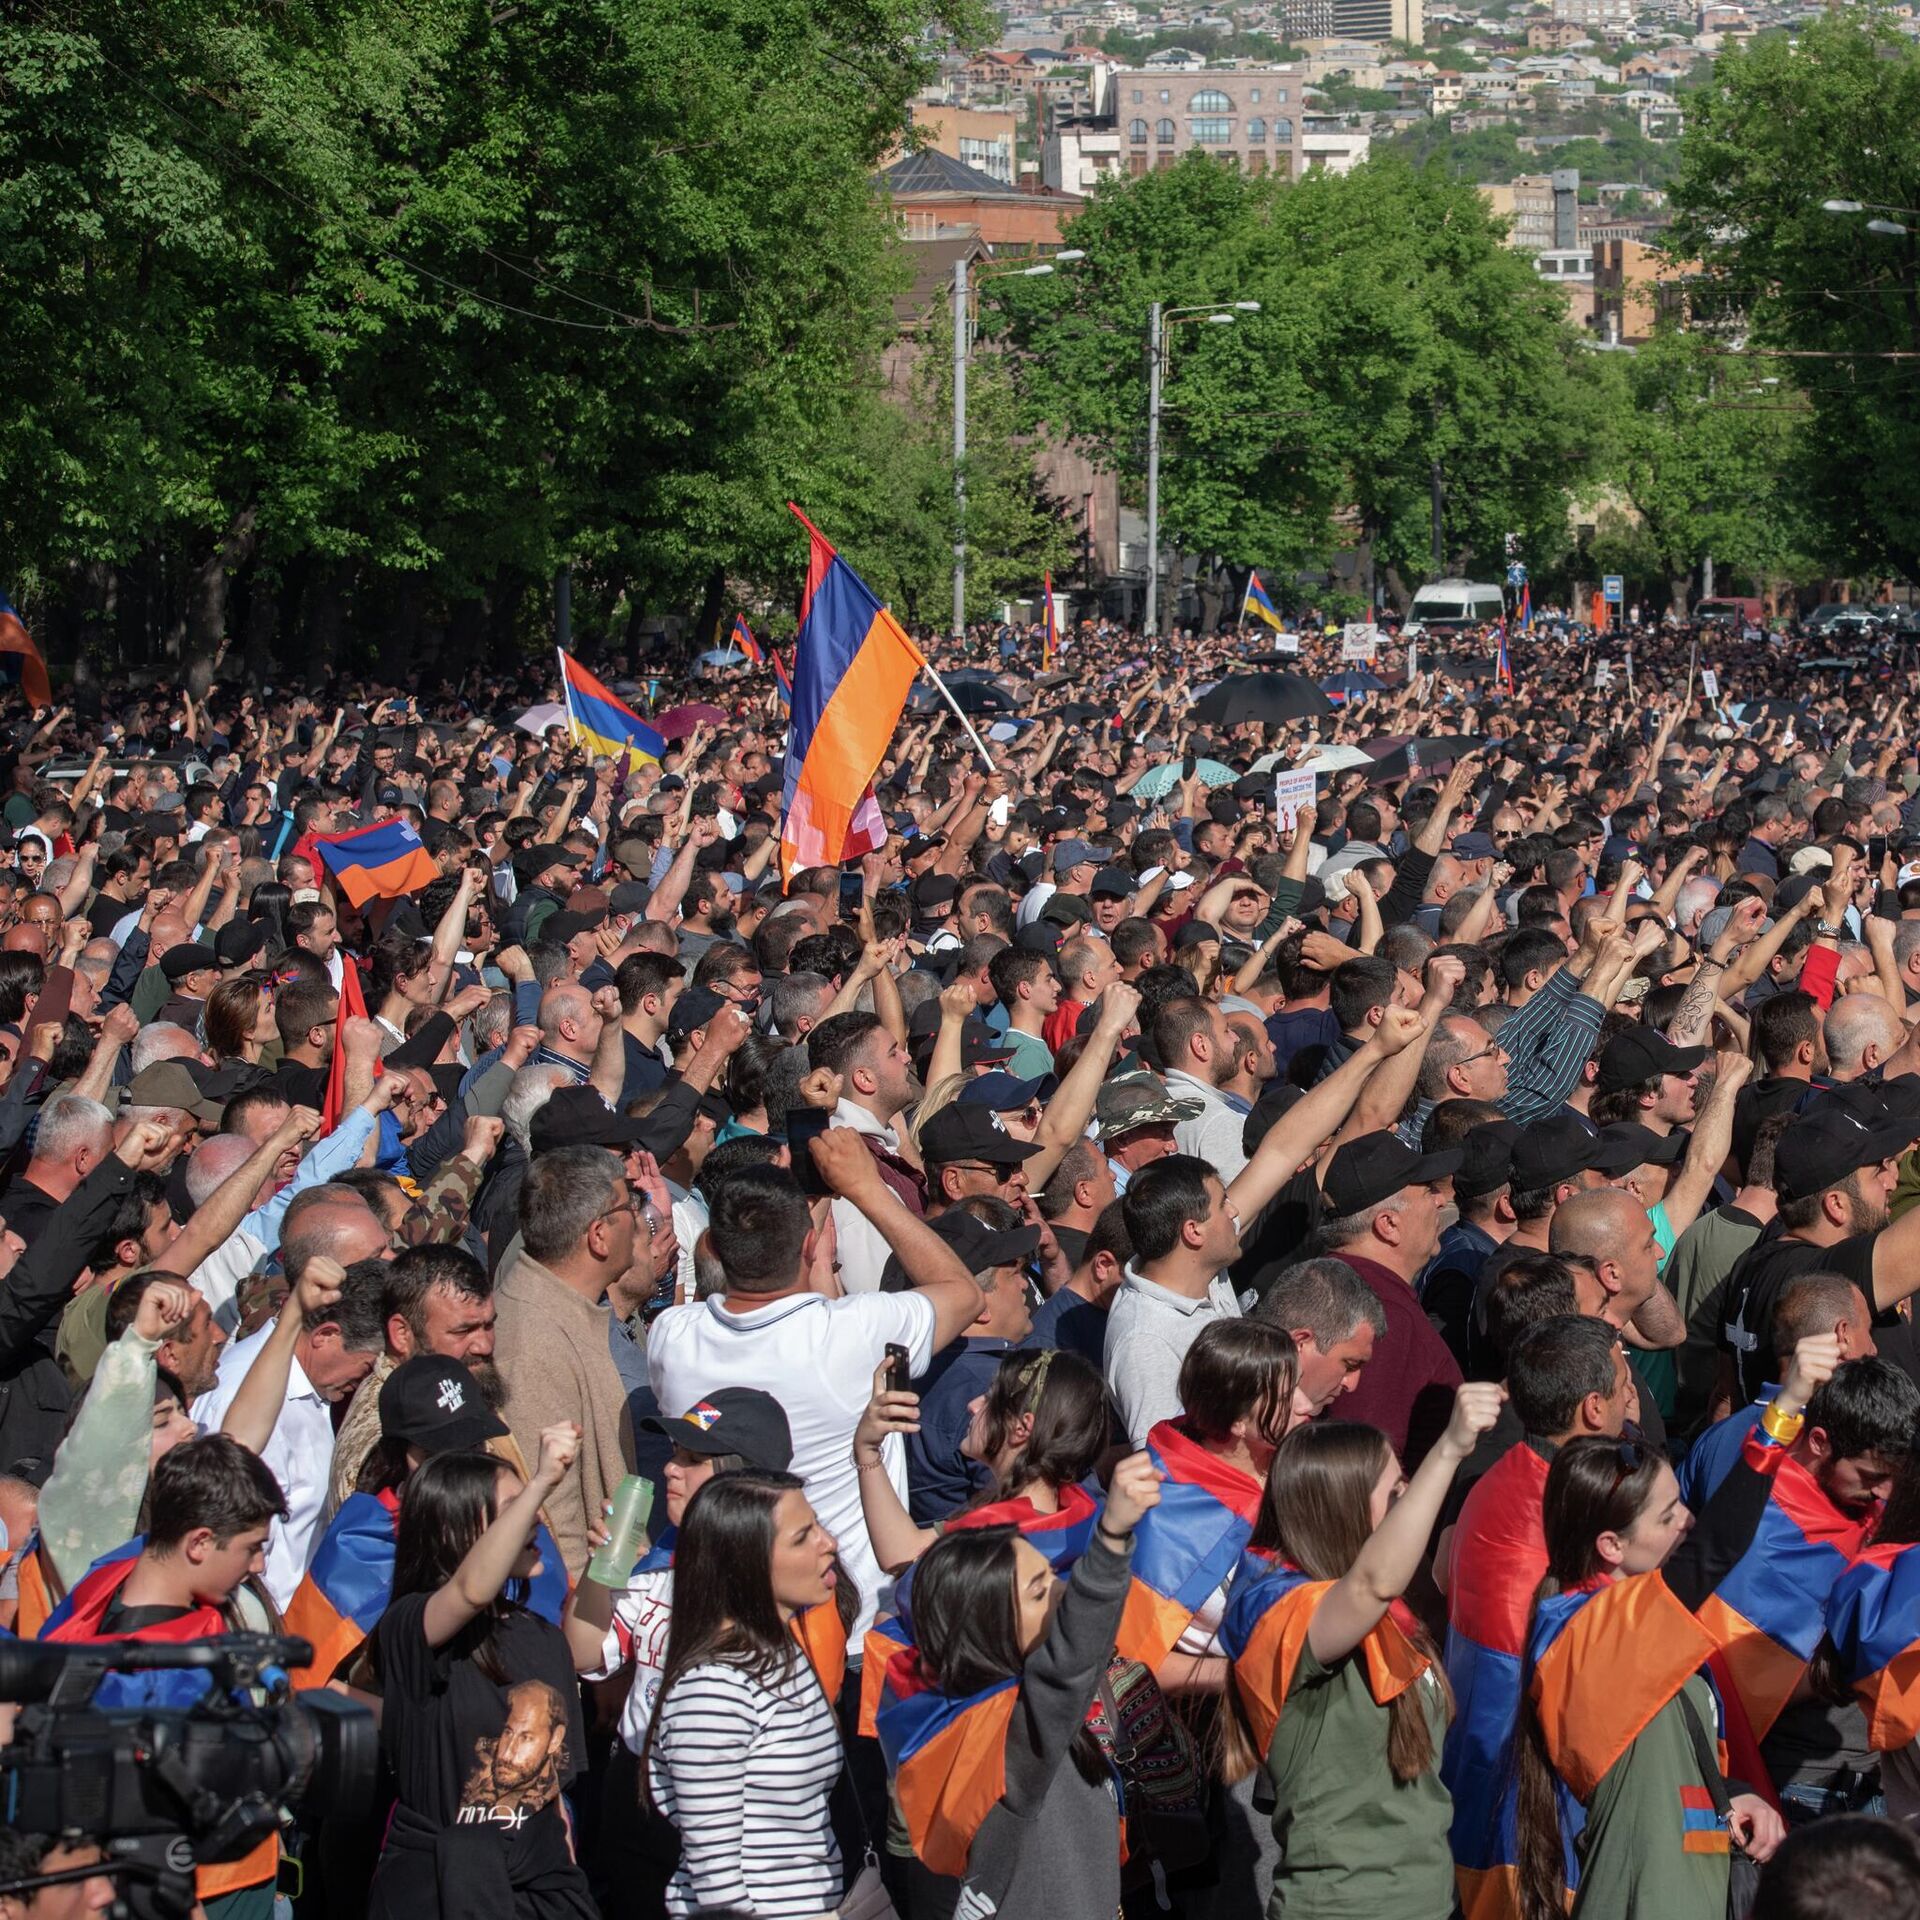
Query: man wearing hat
[[1644, 1077], [1134, 1118], [192, 971], [941, 1479], [1110, 897], [1482, 1190], [1070, 870], [1383, 1205], [933, 897], [969, 1151], [1833, 1174]]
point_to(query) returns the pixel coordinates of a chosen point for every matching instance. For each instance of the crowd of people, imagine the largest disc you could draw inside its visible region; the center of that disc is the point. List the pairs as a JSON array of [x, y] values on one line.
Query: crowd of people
[[1137, 1348]]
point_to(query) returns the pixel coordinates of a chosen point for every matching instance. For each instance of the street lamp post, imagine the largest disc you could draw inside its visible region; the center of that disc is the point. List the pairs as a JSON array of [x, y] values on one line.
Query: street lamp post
[[1220, 313], [962, 345]]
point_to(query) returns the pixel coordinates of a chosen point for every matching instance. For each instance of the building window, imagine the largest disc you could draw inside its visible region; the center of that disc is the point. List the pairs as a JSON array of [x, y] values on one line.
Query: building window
[[1137, 132], [1283, 131], [1256, 132], [1163, 132], [1211, 100], [1256, 163], [1280, 97], [1256, 96], [1210, 133], [1165, 96], [1138, 96]]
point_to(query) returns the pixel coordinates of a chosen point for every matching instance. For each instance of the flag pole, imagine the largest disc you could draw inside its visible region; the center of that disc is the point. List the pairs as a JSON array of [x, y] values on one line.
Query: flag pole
[[566, 694], [1693, 660]]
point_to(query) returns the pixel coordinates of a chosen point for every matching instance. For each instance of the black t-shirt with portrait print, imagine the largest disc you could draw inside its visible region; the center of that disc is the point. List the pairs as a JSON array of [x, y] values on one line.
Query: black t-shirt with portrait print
[[472, 1755]]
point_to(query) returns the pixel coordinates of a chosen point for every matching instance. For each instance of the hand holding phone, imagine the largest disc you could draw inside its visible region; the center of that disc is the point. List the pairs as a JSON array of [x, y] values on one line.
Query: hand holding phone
[[897, 1364]]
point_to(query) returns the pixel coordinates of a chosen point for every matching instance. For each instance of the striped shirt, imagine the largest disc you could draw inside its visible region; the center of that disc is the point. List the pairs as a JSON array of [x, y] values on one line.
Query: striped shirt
[[1548, 1041], [742, 1768]]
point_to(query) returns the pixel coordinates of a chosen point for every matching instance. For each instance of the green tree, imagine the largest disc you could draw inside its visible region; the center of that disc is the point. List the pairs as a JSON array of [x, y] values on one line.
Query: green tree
[[1783, 126]]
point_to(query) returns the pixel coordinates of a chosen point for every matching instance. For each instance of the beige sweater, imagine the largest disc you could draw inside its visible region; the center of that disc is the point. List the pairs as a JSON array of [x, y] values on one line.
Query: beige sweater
[[551, 1346]]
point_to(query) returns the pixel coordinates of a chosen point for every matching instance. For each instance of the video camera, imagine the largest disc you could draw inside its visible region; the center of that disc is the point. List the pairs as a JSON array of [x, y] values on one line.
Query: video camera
[[164, 1789]]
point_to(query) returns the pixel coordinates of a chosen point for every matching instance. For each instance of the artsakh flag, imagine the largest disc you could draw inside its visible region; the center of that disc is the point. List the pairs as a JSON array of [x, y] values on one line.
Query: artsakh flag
[[381, 862], [853, 666]]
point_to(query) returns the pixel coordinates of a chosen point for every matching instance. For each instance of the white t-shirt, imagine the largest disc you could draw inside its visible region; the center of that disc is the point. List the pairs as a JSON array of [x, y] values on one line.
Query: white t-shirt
[[299, 1450], [816, 1357], [637, 1634]]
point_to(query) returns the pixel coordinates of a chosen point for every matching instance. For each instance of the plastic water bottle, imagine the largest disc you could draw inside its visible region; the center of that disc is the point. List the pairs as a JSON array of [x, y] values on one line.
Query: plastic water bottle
[[627, 1526]]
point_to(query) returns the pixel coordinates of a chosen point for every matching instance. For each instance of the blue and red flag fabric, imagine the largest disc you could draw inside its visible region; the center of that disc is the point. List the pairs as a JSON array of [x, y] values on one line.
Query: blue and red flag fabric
[[1503, 662], [20, 662], [1526, 606], [1257, 604], [782, 678], [350, 1579], [81, 1617], [380, 862], [853, 667], [1873, 1620], [1264, 1632], [1062, 1536], [1769, 1612], [1498, 1557], [946, 1757], [744, 640], [600, 720], [1049, 629], [1188, 1546]]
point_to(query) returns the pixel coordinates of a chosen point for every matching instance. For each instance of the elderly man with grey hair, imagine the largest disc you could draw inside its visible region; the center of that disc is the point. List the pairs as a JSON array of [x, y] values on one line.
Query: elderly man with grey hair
[[580, 1226], [161, 1041], [73, 1136], [1861, 1033]]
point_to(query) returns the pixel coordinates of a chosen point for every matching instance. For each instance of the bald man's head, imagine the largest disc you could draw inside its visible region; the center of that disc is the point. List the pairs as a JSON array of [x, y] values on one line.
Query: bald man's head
[[1861, 1031], [1599, 1224]]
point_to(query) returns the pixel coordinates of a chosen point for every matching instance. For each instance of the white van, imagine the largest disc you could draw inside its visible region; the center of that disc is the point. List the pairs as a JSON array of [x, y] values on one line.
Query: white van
[[1448, 606]]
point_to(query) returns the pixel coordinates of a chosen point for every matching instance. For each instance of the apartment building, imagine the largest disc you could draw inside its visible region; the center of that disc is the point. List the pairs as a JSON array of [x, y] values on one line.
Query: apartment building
[[1250, 117]]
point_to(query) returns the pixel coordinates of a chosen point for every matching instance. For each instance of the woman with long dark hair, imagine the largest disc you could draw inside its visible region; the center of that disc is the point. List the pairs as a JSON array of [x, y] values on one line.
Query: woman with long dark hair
[[1040, 1428], [1236, 1400], [481, 1722], [984, 1726], [1618, 1724], [1337, 1689], [744, 1748]]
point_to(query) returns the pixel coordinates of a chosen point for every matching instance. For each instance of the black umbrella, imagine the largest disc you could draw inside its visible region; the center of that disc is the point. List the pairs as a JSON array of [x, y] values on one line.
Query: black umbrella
[[1078, 712], [1272, 659], [970, 696], [1471, 668], [1269, 698]]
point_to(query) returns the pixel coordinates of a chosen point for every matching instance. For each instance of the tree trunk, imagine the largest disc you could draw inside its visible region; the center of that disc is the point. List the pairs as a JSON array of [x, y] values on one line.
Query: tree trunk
[[259, 630], [205, 635], [706, 625], [1402, 593], [324, 619], [1678, 585]]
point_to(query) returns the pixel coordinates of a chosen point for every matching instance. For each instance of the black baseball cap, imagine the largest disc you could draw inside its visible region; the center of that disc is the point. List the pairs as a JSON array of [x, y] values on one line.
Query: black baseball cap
[[1486, 1162], [972, 1133], [933, 891], [981, 1246], [1820, 1150], [740, 1420], [1626, 1145], [692, 1011], [1112, 883], [578, 1117], [562, 926], [1553, 1150], [436, 1404], [1641, 1053], [240, 941], [1375, 1167], [190, 957]]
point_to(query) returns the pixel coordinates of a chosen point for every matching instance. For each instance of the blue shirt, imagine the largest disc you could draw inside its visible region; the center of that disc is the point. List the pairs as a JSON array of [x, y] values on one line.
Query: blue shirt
[[940, 1478], [1715, 1452]]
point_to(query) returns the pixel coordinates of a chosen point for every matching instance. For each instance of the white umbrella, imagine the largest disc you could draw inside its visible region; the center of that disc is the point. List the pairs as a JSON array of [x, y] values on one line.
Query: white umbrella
[[536, 720], [1335, 759]]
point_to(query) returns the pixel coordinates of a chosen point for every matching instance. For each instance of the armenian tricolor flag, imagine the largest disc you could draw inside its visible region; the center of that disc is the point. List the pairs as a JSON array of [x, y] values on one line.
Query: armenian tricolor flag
[[1049, 629], [1768, 1614], [1062, 1536], [1264, 1632], [601, 721], [20, 661], [1873, 1621], [782, 678], [382, 862], [1526, 606], [742, 637], [350, 1579], [81, 1617], [1256, 603], [946, 1756], [1503, 662], [853, 666], [1187, 1547], [1498, 1558]]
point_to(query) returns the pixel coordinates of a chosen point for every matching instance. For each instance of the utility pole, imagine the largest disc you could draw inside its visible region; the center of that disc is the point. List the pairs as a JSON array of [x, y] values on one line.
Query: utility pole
[[960, 449], [1153, 468], [1439, 522]]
